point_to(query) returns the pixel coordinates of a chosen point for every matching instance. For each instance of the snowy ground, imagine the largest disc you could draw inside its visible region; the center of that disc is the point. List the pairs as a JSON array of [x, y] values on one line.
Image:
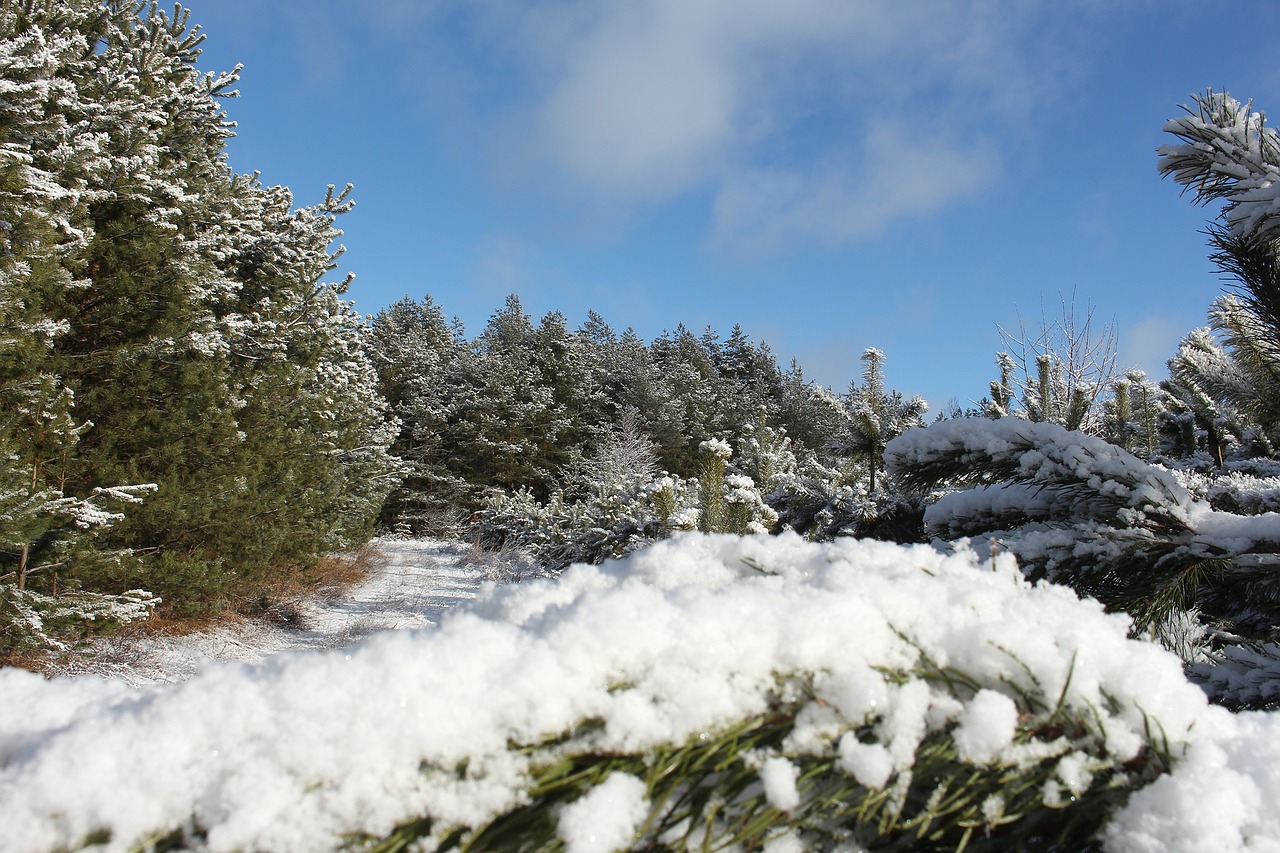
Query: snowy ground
[[412, 583]]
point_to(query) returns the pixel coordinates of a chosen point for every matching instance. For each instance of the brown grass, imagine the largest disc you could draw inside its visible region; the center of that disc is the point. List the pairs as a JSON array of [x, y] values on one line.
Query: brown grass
[[278, 602]]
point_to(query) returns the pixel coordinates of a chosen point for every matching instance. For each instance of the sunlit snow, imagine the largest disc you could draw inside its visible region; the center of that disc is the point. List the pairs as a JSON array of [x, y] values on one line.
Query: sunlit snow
[[689, 635]]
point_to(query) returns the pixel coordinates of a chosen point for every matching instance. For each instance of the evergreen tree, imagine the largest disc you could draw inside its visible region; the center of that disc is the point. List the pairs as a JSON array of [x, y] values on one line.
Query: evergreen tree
[[872, 416], [1228, 393], [1080, 511], [182, 307], [415, 351], [1133, 414]]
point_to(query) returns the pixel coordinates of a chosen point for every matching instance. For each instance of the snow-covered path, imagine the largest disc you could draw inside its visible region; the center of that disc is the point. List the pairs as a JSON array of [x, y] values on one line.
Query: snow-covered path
[[413, 582]]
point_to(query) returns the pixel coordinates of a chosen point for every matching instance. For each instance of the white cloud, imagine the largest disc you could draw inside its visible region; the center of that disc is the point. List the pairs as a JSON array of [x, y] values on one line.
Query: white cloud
[[902, 175], [807, 121]]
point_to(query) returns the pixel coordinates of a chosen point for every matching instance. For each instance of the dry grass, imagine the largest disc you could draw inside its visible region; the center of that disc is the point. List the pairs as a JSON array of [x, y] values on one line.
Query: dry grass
[[507, 564], [278, 603]]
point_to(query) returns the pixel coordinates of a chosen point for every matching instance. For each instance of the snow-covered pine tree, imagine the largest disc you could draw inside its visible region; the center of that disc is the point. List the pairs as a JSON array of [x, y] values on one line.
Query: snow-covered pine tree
[[414, 349], [1133, 414], [623, 457], [766, 455], [1080, 511], [503, 418], [873, 416], [581, 414], [1226, 152], [690, 399], [184, 306], [1204, 387]]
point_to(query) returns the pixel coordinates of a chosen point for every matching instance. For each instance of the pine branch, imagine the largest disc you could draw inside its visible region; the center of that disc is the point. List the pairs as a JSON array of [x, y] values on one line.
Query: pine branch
[[1228, 153], [1083, 471]]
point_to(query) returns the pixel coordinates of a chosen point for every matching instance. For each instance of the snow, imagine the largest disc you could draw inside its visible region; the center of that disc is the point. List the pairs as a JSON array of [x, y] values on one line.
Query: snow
[[306, 747], [1221, 796], [606, 818], [986, 726], [779, 778], [868, 763], [415, 582]]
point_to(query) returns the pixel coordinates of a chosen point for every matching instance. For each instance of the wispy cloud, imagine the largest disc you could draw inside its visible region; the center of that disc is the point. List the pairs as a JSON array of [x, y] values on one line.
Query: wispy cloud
[[813, 121], [899, 175]]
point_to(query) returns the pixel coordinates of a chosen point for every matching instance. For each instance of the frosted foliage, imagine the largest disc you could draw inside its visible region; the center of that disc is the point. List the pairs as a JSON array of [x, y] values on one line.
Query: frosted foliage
[[1228, 152], [716, 447], [1075, 508], [606, 819], [1109, 479], [682, 638], [1240, 675]]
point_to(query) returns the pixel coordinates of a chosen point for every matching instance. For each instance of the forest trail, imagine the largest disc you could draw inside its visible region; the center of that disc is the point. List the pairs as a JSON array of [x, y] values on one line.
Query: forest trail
[[413, 582]]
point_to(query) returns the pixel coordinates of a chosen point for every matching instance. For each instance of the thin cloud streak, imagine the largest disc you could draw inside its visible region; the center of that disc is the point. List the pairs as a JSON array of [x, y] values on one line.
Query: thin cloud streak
[[902, 176]]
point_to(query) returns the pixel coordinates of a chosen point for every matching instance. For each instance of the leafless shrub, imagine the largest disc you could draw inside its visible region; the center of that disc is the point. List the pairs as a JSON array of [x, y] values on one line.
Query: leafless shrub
[[1065, 367]]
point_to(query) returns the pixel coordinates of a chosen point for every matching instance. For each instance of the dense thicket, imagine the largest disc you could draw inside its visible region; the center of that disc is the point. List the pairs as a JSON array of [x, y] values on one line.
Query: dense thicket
[[167, 333]]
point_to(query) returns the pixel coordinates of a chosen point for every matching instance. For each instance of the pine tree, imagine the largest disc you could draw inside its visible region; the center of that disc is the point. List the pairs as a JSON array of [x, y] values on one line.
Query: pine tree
[[184, 306], [414, 349], [873, 416], [1227, 152], [1078, 510], [1133, 414], [46, 159]]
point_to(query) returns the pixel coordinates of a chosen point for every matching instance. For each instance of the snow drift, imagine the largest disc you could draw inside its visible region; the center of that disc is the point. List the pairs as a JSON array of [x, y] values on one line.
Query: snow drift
[[874, 649]]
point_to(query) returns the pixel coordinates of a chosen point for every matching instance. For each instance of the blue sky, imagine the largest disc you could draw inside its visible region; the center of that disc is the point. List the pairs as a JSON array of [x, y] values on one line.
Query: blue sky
[[830, 174]]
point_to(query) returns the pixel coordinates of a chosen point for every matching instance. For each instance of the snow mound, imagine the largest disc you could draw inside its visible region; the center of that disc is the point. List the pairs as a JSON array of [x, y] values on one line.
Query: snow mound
[[309, 749], [1221, 796]]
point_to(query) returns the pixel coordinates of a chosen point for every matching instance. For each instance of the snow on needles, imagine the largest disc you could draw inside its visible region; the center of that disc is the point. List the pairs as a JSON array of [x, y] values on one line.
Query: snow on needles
[[689, 635]]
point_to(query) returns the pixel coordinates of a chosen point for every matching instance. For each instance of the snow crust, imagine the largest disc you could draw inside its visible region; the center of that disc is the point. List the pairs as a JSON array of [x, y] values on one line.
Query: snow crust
[[689, 635]]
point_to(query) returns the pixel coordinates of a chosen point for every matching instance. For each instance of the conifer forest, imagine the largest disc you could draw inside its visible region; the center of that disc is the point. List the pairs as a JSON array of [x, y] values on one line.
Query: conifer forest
[[768, 615]]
